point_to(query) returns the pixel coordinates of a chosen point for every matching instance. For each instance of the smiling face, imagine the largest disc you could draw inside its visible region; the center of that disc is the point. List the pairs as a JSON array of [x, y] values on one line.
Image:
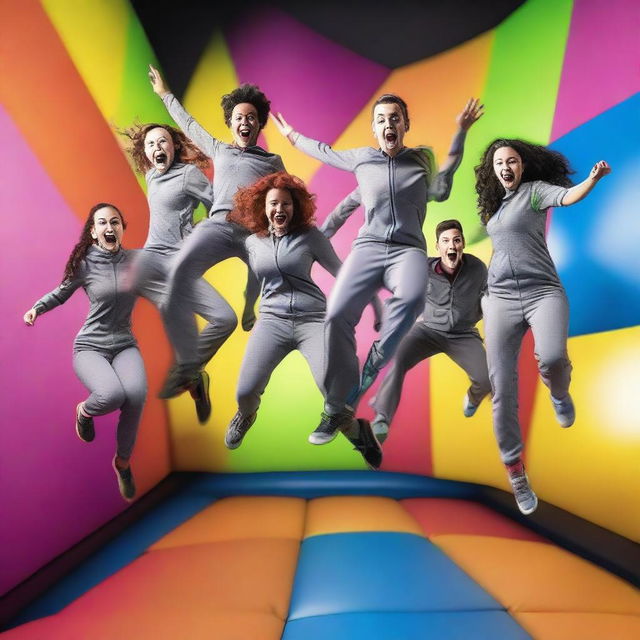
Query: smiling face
[[244, 124], [107, 229], [159, 149], [450, 246], [389, 127], [508, 167], [279, 210]]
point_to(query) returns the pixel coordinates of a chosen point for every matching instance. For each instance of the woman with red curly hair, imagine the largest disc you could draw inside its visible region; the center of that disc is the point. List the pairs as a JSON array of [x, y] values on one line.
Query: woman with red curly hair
[[279, 211]]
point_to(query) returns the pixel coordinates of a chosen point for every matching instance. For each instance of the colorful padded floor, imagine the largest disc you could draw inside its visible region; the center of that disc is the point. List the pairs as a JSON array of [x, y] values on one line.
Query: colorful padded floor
[[266, 567]]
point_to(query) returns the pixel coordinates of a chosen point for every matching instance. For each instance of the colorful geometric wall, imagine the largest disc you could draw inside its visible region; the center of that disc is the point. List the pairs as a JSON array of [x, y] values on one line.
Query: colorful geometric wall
[[560, 73]]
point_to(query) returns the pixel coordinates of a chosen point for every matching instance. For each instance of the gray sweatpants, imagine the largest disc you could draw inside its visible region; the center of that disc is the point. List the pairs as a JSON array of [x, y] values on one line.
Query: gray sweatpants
[[115, 382], [422, 342], [151, 281], [212, 241], [271, 339], [368, 268], [505, 323]]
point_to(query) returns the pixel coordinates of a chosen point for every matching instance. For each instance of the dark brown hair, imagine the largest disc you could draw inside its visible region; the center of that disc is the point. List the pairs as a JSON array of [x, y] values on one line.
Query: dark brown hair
[[251, 94]]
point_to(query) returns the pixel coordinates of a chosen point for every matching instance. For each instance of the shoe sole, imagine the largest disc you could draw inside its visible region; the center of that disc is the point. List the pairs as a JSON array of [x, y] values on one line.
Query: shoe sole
[[203, 409], [78, 428], [324, 440], [529, 511], [365, 425], [113, 464]]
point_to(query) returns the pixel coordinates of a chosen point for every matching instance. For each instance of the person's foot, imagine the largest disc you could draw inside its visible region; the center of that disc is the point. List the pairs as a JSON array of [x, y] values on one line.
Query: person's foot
[[237, 430], [248, 319], [366, 443], [330, 426], [200, 394], [126, 484], [84, 425], [467, 408], [179, 379], [380, 428], [565, 411], [526, 499]]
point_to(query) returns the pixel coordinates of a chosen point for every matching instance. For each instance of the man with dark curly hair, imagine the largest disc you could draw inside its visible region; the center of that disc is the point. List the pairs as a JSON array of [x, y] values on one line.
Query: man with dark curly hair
[[246, 110]]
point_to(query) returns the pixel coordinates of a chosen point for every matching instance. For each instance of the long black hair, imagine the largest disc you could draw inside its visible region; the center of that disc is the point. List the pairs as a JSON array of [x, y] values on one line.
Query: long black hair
[[80, 250], [539, 163]]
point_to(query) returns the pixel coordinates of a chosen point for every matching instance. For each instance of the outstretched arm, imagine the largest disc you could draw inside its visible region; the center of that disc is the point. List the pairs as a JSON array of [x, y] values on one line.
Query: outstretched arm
[[189, 125], [441, 186], [51, 300], [582, 190], [341, 214]]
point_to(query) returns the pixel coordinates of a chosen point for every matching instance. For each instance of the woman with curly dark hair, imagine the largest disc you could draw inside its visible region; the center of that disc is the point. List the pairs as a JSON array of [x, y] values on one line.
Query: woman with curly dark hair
[[105, 354], [236, 165], [279, 212], [516, 183], [171, 164]]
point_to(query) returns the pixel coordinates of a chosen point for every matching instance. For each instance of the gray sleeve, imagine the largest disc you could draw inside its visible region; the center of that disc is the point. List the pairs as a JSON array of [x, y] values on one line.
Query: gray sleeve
[[324, 252], [198, 186], [545, 195], [341, 214], [59, 295], [190, 127], [440, 186], [345, 160]]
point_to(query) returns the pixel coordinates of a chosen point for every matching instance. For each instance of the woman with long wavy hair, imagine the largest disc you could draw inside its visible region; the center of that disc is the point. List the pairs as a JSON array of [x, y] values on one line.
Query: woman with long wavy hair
[[517, 182], [106, 358]]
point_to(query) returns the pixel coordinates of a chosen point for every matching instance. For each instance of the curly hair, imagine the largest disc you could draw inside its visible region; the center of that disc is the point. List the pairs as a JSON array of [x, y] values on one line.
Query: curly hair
[[80, 250], [392, 98], [251, 94], [540, 163], [186, 151], [249, 203]]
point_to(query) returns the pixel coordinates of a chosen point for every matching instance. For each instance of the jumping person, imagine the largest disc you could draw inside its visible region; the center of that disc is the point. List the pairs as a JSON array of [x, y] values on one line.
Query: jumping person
[[457, 281], [170, 164], [395, 183], [106, 358], [516, 183], [283, 247], [246, 110]]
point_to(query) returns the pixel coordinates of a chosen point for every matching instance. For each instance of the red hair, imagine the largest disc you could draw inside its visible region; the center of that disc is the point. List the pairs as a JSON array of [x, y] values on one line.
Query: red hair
[[249, 203]]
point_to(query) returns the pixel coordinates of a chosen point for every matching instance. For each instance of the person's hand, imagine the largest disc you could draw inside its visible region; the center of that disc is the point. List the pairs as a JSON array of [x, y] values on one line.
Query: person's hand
[[30, 317], [599, 170], [281, 124], [157, 82], [472, 112]]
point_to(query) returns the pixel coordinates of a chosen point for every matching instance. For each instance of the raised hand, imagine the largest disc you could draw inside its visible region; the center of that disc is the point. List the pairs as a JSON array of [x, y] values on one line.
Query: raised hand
[[30, 317], [281, 124], [157, 82], [472, 112], [599, 170]]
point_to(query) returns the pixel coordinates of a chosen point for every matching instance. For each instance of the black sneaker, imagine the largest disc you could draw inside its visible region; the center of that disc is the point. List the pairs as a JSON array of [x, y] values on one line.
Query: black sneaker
[[200, 394], [179, 379], [84, 426], [367, 444], [330, 426], [126, 483], [237, 430]]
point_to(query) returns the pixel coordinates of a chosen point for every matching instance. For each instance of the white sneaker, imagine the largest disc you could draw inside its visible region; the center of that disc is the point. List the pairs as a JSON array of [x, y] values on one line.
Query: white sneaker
[[526, 499], [380, 428]]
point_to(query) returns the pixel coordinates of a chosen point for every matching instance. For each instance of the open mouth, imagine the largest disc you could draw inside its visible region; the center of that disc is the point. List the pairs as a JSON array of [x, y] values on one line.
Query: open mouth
[[280, 219], [390, 137], [507, 177], [245, 134], [452, 256], [110, 238], [161, 158]]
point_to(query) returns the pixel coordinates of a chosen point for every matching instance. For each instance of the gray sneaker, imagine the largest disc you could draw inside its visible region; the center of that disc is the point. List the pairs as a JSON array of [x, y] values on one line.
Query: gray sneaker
[[526, 499], [330, 426], [237, 430], [565, 411], [380, 428], [84, 426], [126, 484]]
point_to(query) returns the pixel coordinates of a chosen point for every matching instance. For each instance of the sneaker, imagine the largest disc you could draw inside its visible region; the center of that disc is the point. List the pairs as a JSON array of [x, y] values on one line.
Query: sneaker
[[565, 411], [237, 430], [84, 426], [200, 394], [526, 499], [467, 408], [330, 426], [179, 379], [365, 442], [380, 428], [126, 483]]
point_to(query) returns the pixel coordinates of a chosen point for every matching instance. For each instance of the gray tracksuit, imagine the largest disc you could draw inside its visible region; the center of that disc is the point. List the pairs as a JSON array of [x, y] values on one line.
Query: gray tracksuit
[[523, 291], [214, 239], [388, 252], [447, 325], [292, 309], [106, 356], [173, 196]]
